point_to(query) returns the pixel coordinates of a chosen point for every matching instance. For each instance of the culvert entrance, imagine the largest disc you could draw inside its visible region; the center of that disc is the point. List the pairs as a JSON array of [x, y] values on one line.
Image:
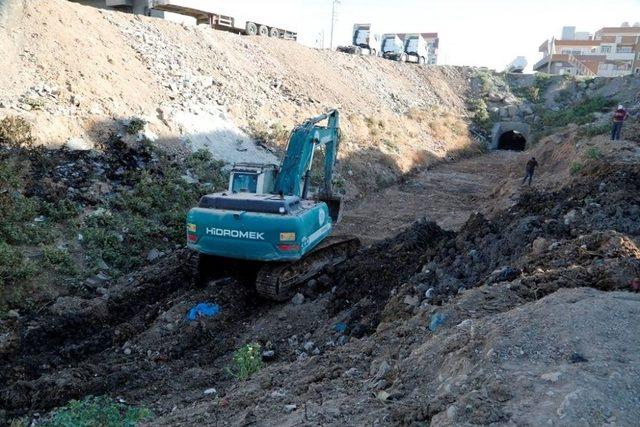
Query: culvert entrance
[[512, 140]]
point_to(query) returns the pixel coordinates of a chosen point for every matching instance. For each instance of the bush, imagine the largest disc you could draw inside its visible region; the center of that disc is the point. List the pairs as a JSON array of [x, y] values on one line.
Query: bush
[[594, 153], [594, 130], [581, 114], [99, 411], [575, 168], [15, 132], [247, 360], [59, 260], [135, 125], [13, 266]]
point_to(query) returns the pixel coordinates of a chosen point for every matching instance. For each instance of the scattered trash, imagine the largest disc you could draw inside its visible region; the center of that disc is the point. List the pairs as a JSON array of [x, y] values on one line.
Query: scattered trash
[[203, 309], [41, 218], [341, 327], [290, 408], [210, 391], [437, 319], [382, 395]]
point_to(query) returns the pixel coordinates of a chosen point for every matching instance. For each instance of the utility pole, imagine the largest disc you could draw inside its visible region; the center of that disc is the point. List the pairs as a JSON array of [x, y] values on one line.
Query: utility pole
[[334, 18]]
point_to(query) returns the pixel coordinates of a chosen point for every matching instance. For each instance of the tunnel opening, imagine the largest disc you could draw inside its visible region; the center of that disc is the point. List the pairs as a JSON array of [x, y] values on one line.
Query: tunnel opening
[[512, 140]]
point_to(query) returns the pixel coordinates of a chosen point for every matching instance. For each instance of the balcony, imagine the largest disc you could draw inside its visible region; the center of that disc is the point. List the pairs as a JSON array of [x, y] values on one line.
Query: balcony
[[621, 56]]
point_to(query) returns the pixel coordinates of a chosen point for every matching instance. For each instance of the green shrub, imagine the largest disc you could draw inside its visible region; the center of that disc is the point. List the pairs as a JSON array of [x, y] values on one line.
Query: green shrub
[[594, 130], [582, 113], [135, 125], [59, 260], [247, 360], [575, 168], [98, 411], [15, 132], [13, 266], [34, 103], [594, 153]]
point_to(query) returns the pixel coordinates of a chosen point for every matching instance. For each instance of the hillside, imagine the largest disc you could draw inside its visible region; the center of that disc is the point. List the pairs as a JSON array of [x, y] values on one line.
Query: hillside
[[214, 88]]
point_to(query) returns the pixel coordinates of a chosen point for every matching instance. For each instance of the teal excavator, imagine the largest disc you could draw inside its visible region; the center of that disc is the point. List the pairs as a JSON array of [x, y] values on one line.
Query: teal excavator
[[269, 216]]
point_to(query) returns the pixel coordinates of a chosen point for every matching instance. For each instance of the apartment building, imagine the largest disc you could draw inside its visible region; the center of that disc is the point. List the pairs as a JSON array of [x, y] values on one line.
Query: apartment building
[[610, 52]]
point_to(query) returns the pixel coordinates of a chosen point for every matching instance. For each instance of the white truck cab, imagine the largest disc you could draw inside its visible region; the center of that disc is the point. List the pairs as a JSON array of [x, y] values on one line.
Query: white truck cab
[[392, 47], [416, 48]]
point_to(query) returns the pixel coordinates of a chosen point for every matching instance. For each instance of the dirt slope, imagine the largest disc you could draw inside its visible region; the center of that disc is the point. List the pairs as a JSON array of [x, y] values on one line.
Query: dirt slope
[[72, 70]]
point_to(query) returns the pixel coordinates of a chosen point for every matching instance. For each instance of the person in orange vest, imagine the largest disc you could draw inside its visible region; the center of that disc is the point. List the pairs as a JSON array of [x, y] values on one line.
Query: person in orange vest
[[619, 116]]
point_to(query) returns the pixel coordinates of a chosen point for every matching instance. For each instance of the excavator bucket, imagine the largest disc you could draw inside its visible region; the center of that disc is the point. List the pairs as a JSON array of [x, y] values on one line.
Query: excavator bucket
[[334, 203]]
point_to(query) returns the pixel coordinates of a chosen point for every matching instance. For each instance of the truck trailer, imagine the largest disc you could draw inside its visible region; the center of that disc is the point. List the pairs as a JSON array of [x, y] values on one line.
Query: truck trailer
[[225, 20]]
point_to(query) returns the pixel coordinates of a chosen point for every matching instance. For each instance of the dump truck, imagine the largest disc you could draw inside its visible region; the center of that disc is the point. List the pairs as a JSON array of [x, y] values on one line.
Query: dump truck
[[416, 48], [226, 20], [268, 218], [392, 47], [363, 41]]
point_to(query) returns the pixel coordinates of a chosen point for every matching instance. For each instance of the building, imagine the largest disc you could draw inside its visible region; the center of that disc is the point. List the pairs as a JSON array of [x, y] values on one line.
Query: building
[[610, 52], [433, 41]]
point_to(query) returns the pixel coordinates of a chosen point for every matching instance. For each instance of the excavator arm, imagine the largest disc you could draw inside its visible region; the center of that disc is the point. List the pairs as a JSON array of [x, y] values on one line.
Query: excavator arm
[[293, 177]]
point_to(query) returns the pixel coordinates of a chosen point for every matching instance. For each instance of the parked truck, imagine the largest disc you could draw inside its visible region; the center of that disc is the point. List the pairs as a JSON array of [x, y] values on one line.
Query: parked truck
[[363, 41], [416, 48], [392, 47], [226, 20]]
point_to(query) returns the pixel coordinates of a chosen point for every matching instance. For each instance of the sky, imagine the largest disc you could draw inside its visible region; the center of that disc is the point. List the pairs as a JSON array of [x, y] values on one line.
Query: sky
[[487, 33]]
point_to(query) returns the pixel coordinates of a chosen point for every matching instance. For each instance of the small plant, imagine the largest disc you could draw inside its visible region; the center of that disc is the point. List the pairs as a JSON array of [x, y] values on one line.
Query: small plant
[[594, 130], [59, 260], [135, 125], [15, 132], [34, 103], [247, 360], [575, 168], [594, 153], [99, 411]]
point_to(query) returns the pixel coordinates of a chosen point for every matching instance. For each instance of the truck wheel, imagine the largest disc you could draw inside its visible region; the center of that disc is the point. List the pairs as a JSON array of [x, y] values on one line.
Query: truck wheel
[[252, 29], [422, 61], [263, 30], [403, 57], [373, 52], [274, 32]]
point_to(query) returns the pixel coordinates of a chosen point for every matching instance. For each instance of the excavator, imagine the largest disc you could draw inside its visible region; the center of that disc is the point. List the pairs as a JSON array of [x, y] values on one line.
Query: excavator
[[269, 217]]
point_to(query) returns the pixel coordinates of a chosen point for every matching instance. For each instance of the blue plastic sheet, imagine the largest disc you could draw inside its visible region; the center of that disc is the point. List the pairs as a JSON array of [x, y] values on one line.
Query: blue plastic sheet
[[341, 327], [204, 309]]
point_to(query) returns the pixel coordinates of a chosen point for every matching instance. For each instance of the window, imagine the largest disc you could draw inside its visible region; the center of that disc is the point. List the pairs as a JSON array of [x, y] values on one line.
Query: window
[[624, 49], [605, 49], [244, 183]]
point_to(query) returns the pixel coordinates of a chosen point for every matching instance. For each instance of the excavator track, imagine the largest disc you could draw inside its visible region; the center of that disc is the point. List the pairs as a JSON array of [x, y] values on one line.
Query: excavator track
[[278, 281]]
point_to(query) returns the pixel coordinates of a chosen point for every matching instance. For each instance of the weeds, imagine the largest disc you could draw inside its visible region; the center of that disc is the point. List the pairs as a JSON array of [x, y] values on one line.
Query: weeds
[[594, 153], [59, 260], [135, 125], [594, 130], [98, 411], [582, 113], [34, 103], [247, 360], [575, 168], [15, 132]]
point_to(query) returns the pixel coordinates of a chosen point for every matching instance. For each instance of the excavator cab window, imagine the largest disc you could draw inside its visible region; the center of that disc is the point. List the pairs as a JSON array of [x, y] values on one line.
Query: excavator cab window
[[244, 183]]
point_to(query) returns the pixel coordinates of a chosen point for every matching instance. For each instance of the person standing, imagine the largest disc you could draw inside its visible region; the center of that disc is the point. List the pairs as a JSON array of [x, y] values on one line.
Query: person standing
[[531, 167], [619, 116]]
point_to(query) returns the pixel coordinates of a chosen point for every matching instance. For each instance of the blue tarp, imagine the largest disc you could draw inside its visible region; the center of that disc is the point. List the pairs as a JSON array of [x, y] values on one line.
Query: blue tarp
[[205, 309]]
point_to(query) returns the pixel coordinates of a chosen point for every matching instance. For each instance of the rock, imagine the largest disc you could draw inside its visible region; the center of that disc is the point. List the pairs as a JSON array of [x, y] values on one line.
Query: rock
[[268, 355], [290, 408], [13, 314], [429, 294], [539, 245], [26, 107], [127, 351], [308, 346], [551, 376], [570, 217], [78, 144], [95, 110], [411, 300], [452, 411], [382, 370], [298, 299], [210, 391], [351, 372], [153, 255]]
